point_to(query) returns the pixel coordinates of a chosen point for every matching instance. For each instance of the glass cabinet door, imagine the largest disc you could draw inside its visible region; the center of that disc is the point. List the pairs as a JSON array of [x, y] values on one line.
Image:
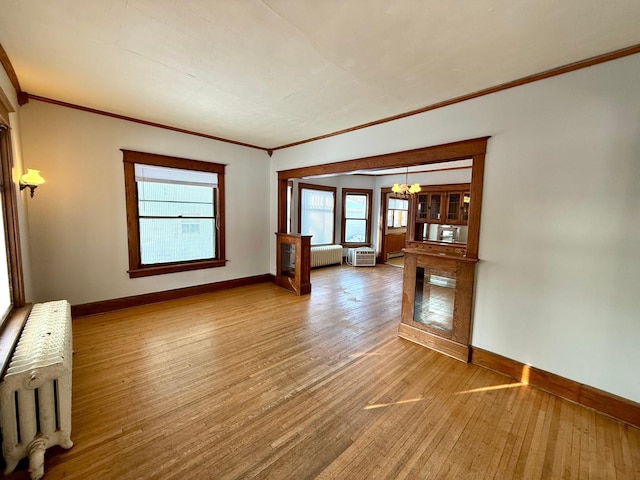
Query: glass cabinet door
[[288, 259], [423, 206], [434, 299], [454, 205], [466, 201], [435, 207]]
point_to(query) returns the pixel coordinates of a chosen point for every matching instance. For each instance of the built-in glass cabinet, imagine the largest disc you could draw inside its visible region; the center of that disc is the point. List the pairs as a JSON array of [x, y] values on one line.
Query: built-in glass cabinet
[[293, 262], [440, 217]]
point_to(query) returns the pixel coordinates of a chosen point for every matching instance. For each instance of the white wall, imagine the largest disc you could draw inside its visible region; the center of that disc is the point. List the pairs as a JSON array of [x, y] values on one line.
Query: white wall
[[557, 286], [78, 219]]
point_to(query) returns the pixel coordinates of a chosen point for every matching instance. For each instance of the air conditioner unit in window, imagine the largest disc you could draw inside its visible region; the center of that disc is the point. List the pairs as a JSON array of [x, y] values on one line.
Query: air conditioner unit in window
[[361, 257]]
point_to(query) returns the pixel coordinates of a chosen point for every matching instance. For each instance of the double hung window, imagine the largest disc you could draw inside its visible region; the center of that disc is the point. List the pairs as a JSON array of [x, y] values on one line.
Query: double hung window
[[317, 213], [356, 216], [397, 212], [175, 213]]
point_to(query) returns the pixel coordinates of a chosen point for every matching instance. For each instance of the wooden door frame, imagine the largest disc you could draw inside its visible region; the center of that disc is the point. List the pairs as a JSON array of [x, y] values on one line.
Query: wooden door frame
[[473, 148]]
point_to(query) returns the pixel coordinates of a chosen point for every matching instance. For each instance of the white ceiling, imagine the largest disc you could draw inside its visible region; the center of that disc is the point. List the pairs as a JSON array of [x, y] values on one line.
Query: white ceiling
[[273, 72]]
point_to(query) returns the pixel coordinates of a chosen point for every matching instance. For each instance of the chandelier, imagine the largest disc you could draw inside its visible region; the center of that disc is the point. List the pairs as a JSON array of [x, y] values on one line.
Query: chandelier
[[405, 188]]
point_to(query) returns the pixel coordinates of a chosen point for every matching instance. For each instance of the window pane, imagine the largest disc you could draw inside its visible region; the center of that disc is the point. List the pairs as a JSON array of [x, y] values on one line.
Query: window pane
[[289, 199], [397, 218], [317, 215], [389, 218], [176, 240], [355, 231], [5, 289], [355, 206]]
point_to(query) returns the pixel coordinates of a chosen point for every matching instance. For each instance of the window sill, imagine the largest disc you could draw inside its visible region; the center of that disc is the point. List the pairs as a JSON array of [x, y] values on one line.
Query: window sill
[[10, 333], [174, 268]]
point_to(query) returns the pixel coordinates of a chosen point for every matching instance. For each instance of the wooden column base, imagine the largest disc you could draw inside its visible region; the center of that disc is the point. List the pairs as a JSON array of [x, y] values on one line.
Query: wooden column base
[[440, 344]]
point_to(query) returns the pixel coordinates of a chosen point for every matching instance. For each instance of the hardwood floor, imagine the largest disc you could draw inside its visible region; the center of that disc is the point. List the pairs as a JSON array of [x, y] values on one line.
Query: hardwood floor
[[256, 382]]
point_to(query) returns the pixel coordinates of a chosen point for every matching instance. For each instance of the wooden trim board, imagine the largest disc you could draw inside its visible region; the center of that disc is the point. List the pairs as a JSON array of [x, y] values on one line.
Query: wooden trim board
[[93, 308], [617, 407], [8, 68]]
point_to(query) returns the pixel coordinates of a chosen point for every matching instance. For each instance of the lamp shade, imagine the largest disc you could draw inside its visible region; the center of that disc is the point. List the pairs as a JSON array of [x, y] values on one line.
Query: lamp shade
[[32, 177]]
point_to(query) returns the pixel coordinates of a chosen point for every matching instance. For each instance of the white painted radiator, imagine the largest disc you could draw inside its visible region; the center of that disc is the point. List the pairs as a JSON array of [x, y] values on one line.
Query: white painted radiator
[[322, 255], [35, 394]]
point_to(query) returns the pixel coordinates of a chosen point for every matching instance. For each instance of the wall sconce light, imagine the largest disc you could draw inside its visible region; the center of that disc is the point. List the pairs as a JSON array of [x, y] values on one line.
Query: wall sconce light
[[31, 179]]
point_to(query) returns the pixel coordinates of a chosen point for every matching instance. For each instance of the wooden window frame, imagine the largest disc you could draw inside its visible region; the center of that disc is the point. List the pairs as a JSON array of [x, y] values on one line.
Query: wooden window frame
[[310, 186], [136, 267], [12, 321], [356, 191]]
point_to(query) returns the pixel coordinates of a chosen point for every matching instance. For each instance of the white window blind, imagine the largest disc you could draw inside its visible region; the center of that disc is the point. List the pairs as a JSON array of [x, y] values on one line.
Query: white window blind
[[151, 173]]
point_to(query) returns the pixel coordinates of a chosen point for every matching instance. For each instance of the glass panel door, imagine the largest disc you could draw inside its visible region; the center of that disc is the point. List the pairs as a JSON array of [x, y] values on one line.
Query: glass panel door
[[466, 201], [288, 259], [423, 205], [435, 206], [434, 299], [453, 207]]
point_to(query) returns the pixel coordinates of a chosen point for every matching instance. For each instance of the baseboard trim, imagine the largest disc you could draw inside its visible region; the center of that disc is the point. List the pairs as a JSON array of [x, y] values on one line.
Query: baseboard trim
[[104, 306], [620, 408]]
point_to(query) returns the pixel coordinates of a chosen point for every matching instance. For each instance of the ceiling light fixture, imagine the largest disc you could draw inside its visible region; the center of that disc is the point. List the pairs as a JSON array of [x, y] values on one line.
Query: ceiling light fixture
[[405, 188]]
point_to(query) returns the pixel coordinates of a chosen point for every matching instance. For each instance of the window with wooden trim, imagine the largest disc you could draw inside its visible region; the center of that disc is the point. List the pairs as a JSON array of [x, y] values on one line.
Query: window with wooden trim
[[356, 216], [316, 212], [397, 212], [11, 279], [13, 312], [175, 213]]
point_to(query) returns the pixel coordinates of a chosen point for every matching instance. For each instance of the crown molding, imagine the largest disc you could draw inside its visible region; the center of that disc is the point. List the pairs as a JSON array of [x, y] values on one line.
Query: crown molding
[[23, 97], [138, 120], [589, 62]]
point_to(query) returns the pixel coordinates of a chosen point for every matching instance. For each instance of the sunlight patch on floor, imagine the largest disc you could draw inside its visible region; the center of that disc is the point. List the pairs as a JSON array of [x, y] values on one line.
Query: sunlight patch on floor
[[492, 387], [399, 402]]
